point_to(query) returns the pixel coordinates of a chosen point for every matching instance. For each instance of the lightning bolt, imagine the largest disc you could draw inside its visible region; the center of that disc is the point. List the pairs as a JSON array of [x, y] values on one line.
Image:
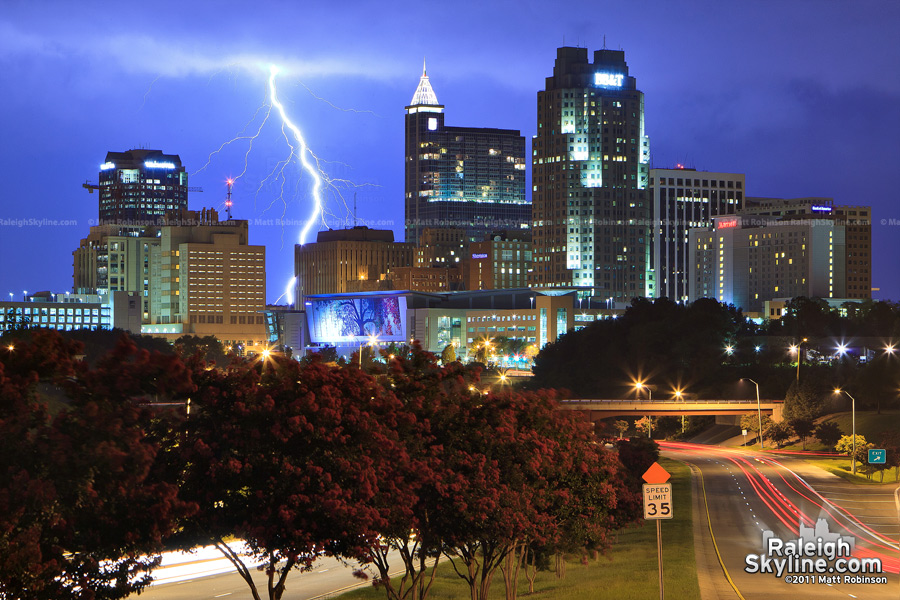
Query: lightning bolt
[[304, 160], [299, 152], [288, 291]]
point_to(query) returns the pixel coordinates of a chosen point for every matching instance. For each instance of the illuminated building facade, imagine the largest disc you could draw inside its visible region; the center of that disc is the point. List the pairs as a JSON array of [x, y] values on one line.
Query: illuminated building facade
[[426, 279], [776, 249], [460, 177], [116, 258], [500, 262], [683, 199], [206, 279], [441, 246], [340, 256], [71, 312], [139, 187], [590, 166], [464, 319]]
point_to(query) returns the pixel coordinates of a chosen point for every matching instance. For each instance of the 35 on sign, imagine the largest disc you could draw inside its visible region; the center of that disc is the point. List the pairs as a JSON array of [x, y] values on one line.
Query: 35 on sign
[[657, 500]]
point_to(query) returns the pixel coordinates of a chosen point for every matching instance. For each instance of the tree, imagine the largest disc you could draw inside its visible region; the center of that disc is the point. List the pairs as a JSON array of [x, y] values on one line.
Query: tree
[[804, 400], [490, 479], [209, 347], [750, 422], [803, 428], [779, 432], [890, 441], [646, 426], [828, 432], [288, 459], [636, 455], [621, 426], [667, 426], [83, 510], [845, 446], [684, 342], [449, 354]]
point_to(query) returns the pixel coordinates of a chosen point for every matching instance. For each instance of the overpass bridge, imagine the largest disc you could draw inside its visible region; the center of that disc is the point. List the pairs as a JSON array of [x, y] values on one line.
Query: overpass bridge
[[597, 409]]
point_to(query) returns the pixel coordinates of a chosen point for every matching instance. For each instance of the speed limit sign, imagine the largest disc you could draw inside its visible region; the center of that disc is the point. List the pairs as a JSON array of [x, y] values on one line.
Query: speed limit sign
[[657, 501]]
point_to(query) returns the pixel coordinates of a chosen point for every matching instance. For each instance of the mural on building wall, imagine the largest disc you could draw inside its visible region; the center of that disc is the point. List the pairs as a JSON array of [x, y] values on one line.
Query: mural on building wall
[[336, 320]]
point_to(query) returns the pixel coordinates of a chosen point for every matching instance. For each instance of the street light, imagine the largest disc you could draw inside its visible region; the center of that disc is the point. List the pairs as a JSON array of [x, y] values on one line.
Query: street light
[[759, 412], [639, 385], [679, 395], [853, 410], [799, 350], [373, 340]]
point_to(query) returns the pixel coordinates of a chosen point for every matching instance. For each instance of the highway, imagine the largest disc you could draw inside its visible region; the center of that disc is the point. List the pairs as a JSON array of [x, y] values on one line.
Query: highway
[[206, 574], [740, 494]]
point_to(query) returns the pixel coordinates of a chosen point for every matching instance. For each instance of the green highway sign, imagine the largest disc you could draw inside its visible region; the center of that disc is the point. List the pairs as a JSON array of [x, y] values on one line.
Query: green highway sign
[[877, 456]]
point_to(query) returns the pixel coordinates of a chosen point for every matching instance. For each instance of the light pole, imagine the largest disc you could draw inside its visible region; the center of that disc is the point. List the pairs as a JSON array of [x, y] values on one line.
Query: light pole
[[853, 412], [758, 413], [639, 385], [679, 395], [799, 349]]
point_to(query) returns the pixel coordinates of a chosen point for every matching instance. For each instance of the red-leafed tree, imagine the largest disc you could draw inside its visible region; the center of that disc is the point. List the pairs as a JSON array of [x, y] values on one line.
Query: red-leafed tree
[[288, 458], [81, 507], [490, 476]]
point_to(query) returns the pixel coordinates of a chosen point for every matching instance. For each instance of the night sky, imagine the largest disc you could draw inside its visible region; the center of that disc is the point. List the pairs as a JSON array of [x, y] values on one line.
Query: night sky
[[801, 96]]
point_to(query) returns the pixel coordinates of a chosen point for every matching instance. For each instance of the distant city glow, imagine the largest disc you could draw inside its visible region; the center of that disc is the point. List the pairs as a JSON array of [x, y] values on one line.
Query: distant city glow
[[609, 79], [155, 164]]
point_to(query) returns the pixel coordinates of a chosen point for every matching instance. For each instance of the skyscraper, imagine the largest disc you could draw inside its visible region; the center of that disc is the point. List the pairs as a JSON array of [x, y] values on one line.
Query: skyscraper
[[683, 199], [778, 249], [461, 177], [590, 165], [139, 187]]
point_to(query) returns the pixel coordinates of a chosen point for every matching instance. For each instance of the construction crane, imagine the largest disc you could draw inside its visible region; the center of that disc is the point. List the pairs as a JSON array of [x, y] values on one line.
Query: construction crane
[[90, 187]]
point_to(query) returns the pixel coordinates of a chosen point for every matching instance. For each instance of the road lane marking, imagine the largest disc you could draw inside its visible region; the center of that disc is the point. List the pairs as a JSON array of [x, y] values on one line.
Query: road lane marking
[[713, 536]]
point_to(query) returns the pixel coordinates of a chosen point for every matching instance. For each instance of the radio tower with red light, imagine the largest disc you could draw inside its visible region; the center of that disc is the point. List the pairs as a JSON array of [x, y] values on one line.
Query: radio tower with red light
[[230, 182]]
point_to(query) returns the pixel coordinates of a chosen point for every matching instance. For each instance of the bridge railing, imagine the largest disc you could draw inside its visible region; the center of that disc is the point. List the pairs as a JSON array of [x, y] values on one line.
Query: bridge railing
[[674, 401]]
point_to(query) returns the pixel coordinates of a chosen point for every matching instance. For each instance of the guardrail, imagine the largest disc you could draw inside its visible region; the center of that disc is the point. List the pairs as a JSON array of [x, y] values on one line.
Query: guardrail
[[665, 401]]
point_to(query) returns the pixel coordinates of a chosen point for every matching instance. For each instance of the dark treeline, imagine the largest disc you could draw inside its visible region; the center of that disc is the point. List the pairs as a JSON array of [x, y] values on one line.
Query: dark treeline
[[706, 348]]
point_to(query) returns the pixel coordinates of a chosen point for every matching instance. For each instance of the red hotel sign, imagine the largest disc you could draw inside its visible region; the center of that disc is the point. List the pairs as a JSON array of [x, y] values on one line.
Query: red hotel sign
[[726, 223]]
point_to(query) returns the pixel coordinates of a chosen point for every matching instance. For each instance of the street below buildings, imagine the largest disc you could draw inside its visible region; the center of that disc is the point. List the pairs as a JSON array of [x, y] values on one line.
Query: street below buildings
[[206, 574], [740, 494]]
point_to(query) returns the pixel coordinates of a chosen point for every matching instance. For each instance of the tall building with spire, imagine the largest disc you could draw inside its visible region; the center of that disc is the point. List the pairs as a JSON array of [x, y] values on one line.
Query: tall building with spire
[[470, 178], [590, 167]]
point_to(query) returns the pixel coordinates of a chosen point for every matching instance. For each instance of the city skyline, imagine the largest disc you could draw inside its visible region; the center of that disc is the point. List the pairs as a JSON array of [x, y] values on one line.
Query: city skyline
[[83, 81]]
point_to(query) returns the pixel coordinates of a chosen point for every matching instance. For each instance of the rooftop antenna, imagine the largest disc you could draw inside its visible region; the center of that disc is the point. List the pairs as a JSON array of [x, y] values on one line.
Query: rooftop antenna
[[228, 202], [354, 200], [604, 41]]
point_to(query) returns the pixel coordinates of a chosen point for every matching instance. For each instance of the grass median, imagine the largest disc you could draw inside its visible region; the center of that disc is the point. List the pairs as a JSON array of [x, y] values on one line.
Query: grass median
[[628, 571]]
